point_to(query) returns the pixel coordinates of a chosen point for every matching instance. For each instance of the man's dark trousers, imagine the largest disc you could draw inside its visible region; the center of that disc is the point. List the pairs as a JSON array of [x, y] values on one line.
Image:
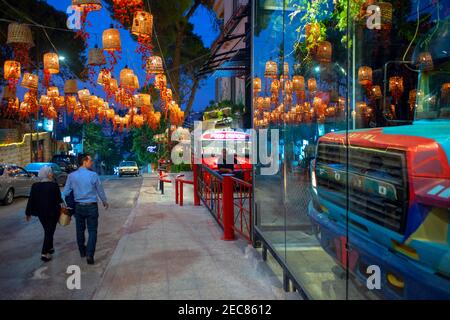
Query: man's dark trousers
[[86, 215]]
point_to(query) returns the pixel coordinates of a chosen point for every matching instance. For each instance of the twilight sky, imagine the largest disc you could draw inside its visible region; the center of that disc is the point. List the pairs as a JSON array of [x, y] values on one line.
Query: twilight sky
[[101, 20]]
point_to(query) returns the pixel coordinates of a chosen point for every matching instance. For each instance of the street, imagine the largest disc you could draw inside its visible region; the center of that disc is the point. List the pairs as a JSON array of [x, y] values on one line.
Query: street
[[24, 276]]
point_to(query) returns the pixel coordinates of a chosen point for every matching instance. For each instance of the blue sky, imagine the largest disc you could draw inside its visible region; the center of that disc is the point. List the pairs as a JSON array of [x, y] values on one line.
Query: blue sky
[[101, 20]]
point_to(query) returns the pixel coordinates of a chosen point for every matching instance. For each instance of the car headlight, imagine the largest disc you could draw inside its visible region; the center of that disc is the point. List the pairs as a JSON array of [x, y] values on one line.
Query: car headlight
[[313, 176]]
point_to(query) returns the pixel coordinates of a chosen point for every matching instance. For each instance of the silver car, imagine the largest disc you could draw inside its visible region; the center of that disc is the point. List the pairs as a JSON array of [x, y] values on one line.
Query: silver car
[[14, 182]]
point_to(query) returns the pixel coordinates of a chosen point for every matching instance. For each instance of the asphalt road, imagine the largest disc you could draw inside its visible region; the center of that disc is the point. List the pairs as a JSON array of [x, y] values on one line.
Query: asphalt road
[[24, 276]]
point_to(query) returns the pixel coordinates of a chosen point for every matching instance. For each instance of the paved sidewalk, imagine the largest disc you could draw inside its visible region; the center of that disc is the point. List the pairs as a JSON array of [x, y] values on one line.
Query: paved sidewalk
[[171, 252]]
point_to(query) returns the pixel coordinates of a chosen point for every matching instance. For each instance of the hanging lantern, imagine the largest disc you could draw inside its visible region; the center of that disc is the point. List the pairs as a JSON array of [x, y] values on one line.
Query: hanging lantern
[[143, 99], [51, 63], [30, 81], [257, 84], [113, 85], [167, 94], [84, 95], [111, 40], [126, 78], [136, 82], [375, 93], [96, 57], [9, 93], [323, 52], [45, 100], [424, 61], [275, 86], [11, 70], [154, 65], [104, 77], [396, 86], [312, 85], [53, 92], [385, 10], [19, 34], [87, 5], [142, 24], [298, 83], [71, 86], [365, 76], [285, 70], [266, 103], [288, 87], [160, 81], [271, 70]]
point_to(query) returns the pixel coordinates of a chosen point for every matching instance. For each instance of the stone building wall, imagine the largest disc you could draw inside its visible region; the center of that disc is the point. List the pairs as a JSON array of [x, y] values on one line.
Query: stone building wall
[[19, 153]]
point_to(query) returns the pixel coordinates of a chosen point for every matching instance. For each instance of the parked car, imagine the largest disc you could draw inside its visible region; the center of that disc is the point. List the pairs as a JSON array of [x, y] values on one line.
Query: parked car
[[128, 168], [14, 182], [60, 175], [68, 163]]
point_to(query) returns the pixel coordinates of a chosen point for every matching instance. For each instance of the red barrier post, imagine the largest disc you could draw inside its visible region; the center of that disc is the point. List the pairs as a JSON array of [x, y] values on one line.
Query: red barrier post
[[196, 196], [228, 208]]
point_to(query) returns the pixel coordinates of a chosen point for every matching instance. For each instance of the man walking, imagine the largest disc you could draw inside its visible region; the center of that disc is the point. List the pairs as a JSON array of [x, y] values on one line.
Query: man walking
[[86, 185]]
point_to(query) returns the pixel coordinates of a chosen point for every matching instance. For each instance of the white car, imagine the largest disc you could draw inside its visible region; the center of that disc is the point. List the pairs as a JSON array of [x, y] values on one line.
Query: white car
[[14, 182], [129, 168]]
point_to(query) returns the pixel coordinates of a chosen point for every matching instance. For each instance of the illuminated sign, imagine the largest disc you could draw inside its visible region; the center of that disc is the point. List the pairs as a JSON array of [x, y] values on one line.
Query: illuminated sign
[[226, 135], [151, 149]]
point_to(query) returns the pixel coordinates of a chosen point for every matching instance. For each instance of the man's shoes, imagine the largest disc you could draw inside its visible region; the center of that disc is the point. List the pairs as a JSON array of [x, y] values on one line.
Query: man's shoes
[[45, 258], [90, 260]]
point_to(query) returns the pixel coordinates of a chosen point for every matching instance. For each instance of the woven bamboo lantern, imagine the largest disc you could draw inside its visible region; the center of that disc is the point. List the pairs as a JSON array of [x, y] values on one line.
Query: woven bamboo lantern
[[424, 61], [53, 92], [126, 78], [385, 9], [113, 85], [312, 84], [266, 103], [11, 70], [375, 93], [19, 34], [96, 57], [154, 65], [136, 82], [275, 86], [45, 100], [160, 81], [87, 5], [142, 24], [298, 83], [323, 52], [257, 84], [103, 77], [30, 81], [84, 95], [365, 76], [271, 70], [167, 94], [111, 40], [71, 86], [51, 63], [143, 99], [396, 86], [288, 87], [445, 91], [285, 70], [9, 93]]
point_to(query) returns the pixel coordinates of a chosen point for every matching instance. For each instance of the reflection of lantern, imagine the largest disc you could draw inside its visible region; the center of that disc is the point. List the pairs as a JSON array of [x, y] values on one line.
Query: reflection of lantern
[[84, 95], [271, 70], [30, 81], [445, 91], [11, 70], [361, 107], [70, 86], [160, 81], [312, 32], [312, 84], [396, 86], [52, 92], [266, 103], [365, 76], [275, 86], [51, 63], [87, 5], [127, 78], [412, 97], [96, 57], [324, 51], [154, 65], [20, 34], [103, 77], [257, 85], [385, 10], [286, 70], [111, 40], [288, 86], [375, 93], [142, 24], [424, 61], [298, 83]]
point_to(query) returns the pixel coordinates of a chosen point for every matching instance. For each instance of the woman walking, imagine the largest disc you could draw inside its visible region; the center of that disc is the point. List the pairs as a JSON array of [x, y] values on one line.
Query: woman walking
[[45, 203]]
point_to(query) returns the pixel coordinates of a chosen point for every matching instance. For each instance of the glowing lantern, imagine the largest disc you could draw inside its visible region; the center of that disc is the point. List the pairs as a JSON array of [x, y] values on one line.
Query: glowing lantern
[[142, 24], [375, 93], [275, 86], [143, 99], [19, 34], [30, 81], [84, 95], [266, 103], [271, 70], [126, 78], [53, 92], [298, 83], [51, 63], [312, 84], [136, 82], [365, 76], [11, 70], [96, 57], [257, 84], [425, 61], [70, 86], [112, 86], [104, 77], [286, 70], [111, 40], [324, 51], [160, 81], [385, 9], [88, 5], [361, 107], [396, 86], [154, 65]]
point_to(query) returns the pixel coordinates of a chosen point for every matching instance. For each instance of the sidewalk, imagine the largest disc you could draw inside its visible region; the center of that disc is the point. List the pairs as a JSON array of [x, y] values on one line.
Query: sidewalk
[[171, 252]]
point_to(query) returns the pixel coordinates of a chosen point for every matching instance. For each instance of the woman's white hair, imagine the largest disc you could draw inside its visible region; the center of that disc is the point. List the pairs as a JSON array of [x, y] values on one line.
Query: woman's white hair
[[44, 174]]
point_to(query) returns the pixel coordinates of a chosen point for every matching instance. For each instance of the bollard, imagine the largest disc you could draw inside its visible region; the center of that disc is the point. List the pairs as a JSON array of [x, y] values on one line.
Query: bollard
[[228, 208], [196, 197]]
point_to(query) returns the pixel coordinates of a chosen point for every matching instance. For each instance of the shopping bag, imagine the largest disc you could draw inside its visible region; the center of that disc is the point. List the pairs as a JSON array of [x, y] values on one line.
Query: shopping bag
[[64, 217]]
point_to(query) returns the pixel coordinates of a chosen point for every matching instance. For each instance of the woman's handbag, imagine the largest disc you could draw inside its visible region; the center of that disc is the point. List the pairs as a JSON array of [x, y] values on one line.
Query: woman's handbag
[[64, 217]]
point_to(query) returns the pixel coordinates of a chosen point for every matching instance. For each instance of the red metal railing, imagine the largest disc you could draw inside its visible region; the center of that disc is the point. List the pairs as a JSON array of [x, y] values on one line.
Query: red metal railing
[[228, 199]]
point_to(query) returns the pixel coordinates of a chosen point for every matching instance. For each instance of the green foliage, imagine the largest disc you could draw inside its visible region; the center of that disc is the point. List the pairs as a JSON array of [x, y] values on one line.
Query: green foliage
[[142, 139], [176, 168], [226, 104]]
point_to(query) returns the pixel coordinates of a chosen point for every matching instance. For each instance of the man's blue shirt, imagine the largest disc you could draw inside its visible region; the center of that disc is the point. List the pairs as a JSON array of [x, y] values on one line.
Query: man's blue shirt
[[85, 185]]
